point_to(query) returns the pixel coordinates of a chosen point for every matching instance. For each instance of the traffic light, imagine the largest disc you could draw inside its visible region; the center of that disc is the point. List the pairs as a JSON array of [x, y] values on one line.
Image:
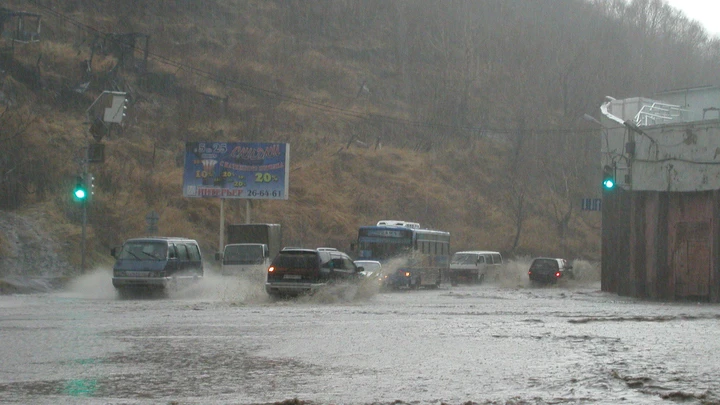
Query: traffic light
[[608, 181], [80, 192], [90, 185]]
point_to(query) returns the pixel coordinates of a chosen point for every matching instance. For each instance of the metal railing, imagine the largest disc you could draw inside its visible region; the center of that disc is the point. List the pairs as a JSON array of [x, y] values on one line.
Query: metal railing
[[661, 113]]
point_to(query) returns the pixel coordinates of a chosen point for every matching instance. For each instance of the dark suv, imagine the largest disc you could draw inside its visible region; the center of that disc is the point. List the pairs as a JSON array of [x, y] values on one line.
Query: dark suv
[[296, 271], [156, 263], [549, 270]]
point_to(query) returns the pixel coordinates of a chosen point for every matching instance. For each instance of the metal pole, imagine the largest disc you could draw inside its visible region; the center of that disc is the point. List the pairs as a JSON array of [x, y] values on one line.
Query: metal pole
[[84, 211], [84, 224], [222, 225]]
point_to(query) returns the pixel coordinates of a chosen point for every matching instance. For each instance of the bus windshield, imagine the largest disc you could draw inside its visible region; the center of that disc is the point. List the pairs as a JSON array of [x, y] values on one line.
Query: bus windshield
[[381, 251], [382, 244]]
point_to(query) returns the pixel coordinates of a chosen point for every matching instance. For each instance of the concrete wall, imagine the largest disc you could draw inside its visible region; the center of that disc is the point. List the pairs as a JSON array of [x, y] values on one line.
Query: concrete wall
[[702, 103], [676, 157]]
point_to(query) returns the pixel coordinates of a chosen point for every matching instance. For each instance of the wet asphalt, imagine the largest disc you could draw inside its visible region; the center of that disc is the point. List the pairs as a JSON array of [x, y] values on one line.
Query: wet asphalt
[[225, 342]]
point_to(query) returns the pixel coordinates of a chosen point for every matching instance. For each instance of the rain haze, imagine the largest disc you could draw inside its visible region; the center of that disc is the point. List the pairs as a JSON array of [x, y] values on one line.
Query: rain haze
[[141, 141], [703, 11]]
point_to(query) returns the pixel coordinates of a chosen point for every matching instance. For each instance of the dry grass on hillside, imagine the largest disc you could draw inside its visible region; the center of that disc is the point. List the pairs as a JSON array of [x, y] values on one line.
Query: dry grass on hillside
[[330, 196], [455, 186]]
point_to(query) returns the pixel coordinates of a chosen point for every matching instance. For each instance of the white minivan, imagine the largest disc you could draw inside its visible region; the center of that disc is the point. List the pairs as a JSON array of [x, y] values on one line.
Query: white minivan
[[474, 266]]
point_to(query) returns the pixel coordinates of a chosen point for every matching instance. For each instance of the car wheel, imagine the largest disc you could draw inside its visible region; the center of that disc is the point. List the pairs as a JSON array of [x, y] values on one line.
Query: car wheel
[[172, 285], [123, 293]]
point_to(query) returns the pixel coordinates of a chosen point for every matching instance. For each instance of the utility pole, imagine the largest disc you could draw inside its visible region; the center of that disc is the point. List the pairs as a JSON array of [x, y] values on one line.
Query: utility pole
[[84, 209], [108, 109], [81, 193]]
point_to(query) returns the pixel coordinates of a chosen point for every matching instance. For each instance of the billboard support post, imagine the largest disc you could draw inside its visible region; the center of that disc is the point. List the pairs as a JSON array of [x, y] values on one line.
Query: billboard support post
[[222, 225]]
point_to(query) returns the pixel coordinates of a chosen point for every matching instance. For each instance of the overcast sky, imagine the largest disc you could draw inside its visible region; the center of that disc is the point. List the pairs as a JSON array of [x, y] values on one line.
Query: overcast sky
[[706, 12]]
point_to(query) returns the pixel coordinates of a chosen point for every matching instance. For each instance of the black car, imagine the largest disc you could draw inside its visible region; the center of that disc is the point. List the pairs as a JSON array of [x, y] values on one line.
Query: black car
[[549, 270], [296, 271]]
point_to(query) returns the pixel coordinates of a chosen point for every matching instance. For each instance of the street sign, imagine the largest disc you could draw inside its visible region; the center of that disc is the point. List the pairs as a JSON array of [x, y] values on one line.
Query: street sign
[[96, 153], [591, 204]]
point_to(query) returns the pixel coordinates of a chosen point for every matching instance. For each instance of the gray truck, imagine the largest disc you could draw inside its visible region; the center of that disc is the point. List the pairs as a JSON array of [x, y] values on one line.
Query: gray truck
[[250, 248]]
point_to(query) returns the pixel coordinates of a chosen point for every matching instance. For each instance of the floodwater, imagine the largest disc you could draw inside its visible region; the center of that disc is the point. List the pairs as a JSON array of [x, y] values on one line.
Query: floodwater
[[225, 342]]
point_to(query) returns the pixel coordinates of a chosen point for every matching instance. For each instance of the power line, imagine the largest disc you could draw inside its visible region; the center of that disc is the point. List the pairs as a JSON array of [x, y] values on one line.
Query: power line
[[377, 118]]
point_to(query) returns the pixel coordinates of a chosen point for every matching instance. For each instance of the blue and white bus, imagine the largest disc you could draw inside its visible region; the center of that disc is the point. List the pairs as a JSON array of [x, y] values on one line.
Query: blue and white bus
[[411, 257]]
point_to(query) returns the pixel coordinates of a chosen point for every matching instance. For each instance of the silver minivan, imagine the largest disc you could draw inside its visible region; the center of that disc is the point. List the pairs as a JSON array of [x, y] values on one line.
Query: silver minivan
[[474, 266], [156, 263]]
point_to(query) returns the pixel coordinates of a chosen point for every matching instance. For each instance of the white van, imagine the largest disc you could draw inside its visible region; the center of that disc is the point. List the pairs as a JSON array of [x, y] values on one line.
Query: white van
[[474, 266]]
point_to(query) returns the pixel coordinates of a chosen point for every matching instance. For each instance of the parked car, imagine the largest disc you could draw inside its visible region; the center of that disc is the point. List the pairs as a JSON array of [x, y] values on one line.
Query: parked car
[[550, 270], [156, 263], [297, 271]]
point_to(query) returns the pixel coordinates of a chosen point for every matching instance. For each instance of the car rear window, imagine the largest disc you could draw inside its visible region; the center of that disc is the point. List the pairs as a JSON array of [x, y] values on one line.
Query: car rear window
[[302, 260], [544, 263], [144, 250]]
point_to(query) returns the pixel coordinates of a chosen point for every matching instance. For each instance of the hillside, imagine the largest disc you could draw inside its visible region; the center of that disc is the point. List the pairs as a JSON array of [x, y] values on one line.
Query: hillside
[[476, 109]]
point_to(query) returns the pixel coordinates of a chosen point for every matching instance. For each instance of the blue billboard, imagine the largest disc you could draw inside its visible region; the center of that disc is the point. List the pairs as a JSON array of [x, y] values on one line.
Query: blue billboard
[[252, 170]]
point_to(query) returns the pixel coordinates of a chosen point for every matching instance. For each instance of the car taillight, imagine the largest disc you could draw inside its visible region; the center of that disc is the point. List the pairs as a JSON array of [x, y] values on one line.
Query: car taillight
[[558, 274], [529, 272], [271, 269], [407, 274]]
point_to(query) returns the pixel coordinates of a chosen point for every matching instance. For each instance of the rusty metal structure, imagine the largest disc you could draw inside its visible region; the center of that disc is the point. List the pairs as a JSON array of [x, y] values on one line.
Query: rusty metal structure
[[19, 26], [661, 224]]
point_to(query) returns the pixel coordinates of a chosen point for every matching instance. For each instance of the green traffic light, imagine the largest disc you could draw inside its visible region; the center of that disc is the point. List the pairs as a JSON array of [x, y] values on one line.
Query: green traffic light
[[80, 192], [608, 183]]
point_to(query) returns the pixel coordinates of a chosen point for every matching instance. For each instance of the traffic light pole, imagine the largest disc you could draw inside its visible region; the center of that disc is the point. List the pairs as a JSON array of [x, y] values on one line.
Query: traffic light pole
[[84, 214], [84, 224]]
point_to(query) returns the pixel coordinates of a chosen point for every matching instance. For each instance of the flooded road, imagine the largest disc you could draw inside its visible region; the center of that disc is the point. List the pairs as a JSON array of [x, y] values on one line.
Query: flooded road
[[225, 342]]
